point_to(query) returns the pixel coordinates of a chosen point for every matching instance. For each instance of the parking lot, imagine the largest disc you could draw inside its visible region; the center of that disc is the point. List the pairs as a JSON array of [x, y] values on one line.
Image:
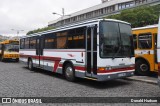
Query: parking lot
[[18, 81]]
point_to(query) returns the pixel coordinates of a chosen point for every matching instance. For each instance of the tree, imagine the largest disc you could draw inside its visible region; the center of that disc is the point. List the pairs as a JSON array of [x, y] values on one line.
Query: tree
[[138, 17], [40, 30]]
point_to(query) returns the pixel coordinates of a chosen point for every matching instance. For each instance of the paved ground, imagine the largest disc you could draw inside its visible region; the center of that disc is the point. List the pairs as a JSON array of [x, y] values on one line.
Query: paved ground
[[146, 79], [17, 81]]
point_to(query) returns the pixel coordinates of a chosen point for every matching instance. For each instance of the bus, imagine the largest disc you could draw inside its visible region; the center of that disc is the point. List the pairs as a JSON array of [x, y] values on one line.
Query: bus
[[158, 52], [98, 50], [9, 50], [145, 43]]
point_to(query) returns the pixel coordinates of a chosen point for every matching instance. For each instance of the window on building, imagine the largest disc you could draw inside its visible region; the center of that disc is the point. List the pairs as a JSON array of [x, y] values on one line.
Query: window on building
[[131, 4], [144, 1], [119, 7], [127, 5], [145, 41], [123, 6], [108, 9]]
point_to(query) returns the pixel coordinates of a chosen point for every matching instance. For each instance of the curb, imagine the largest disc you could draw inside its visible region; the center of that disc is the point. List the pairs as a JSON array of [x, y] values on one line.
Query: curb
[[143, 80]]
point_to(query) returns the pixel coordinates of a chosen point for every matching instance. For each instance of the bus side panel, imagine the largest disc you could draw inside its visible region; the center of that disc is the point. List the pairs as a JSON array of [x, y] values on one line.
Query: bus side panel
[[158, 51], [54, 60], [158, 57], [25, 54], [147, 54]]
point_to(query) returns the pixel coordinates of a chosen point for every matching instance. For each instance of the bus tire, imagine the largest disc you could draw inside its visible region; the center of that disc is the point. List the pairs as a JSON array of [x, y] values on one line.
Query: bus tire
[[30, 65], [142, 68], [17, 60], [1, 59], [69, 72]]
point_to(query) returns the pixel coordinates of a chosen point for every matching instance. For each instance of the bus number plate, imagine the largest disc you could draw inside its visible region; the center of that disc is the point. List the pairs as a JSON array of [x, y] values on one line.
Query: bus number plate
[[122, 75]]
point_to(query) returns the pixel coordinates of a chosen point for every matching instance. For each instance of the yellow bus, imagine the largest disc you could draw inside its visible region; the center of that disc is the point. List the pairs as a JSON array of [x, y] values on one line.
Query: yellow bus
[[145, 43], [158, 51], [9, 50]]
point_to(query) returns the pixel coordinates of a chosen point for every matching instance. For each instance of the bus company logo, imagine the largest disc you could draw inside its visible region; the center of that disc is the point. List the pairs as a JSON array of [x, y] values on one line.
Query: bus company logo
[[6, 100], [71, 55]]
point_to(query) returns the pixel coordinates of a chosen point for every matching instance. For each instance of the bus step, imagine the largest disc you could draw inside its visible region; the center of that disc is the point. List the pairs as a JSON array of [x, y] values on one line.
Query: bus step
[[90, 78]]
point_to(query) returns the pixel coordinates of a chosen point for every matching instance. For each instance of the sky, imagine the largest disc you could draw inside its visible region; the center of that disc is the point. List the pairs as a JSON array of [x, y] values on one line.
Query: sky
[[29, 15]]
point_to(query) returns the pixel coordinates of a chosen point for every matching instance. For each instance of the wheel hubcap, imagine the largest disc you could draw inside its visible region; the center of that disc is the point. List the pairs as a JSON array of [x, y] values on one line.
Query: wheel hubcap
[[144, 67], [69, 72]]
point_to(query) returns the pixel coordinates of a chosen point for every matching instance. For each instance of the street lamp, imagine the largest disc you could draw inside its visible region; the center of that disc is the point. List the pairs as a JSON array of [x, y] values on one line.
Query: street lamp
[[17, 31], [57, 14], [62, 15]]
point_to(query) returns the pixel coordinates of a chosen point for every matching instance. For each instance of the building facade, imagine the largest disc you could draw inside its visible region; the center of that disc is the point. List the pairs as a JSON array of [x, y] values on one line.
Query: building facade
[[108, 7]]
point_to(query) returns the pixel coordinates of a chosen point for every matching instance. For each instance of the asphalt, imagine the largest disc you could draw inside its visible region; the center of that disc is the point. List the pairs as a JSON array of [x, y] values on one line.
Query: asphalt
[[147, 79]]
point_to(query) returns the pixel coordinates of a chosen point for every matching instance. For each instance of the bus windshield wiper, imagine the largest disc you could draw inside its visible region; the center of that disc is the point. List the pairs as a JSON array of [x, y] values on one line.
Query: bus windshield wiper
[[119, 48]]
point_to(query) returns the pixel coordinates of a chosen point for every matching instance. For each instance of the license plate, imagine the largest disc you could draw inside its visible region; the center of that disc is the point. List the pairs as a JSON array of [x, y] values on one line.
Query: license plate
[[13, 58], [122, 75]]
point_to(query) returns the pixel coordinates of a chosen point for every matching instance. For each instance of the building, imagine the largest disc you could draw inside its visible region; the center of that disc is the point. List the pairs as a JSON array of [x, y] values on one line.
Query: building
[[107, 7], [105, 1]]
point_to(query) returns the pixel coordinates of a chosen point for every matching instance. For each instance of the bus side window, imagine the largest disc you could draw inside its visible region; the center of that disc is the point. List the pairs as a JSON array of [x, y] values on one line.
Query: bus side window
[[61, 40], [32, 44], [135, 41], [76, 38], [26, 43], [22, 44], [50, 41], [95, 39], [155, 40], [80, 32], [70, 43], [145, 41]]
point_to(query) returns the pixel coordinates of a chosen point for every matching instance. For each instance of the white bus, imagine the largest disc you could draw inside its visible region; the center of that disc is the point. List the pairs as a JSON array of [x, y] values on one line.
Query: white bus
[[97, 49], [158, 52]]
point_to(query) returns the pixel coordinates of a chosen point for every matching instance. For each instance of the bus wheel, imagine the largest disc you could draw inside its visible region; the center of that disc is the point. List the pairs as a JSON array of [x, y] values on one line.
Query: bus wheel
[[2, 59], [17, 60], [142, 68], [30, 64], [69, 73]]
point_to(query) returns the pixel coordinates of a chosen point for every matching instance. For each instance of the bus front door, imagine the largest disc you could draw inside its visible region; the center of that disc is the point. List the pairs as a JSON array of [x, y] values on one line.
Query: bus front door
[[39, 52], [91, 51]]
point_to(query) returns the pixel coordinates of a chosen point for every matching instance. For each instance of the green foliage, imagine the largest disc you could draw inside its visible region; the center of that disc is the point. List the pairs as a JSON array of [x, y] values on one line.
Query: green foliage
[[40, 30], [138, 17]]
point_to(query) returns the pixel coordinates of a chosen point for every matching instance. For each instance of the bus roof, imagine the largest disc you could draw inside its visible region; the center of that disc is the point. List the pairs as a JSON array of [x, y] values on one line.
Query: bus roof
[[146, 27], [73, 25]]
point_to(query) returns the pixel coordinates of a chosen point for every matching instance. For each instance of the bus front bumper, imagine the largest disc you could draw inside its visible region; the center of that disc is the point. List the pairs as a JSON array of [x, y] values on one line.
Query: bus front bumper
[[111, 76]]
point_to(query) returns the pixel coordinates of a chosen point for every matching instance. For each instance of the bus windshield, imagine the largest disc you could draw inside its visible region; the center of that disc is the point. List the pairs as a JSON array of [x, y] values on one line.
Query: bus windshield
[[11, 48], [115, 40]]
